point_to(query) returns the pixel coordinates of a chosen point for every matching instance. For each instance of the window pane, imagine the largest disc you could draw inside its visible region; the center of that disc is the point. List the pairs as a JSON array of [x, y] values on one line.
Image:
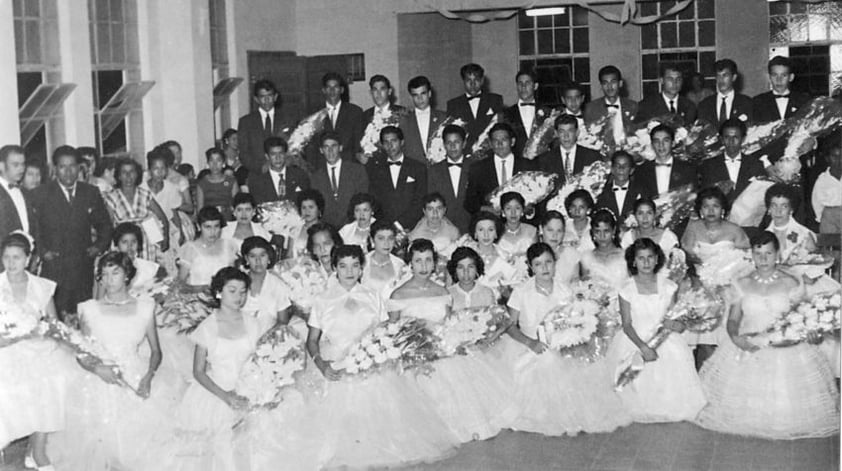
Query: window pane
[[116, 10], [705, 8], [649, 36], [798, 28], [706, 60], [687, 34], [32, 8], [650, 66], [668, 35], [118, 43], [103, 41], [582, 69], [665, 7], [527, 46], [108, 82], [544, 21], [52, 53], [797, 7], [132, 51], [524, 21], [562, 41], [778, 30], [648, 8], [580, 16], [545, 41], [818, 25], [27, 83], [102, 8], [17, 8], [836, 24], [33, 42], [20, 42], [707, 33], [777, 8], [688, 13], [562, 19], [580, 40], [820, 64]]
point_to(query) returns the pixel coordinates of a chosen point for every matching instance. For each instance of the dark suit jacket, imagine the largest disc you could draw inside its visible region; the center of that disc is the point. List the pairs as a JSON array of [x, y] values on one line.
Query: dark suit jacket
[[412, 146], [401, 203], [765, 106], [709, 107], [368, 115], [482, 180], [654, 106], [606, 199], [9, 218], [489, 105], [551, 161], [595, 109], [438, 180], [66, 230], [261, 187], [511, 115], [349, 126], [251, 134], [714, 170], [353, 179], [682, 173]]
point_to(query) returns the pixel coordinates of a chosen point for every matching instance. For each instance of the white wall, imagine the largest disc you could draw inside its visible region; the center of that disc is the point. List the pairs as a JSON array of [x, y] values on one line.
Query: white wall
[[9, 124]]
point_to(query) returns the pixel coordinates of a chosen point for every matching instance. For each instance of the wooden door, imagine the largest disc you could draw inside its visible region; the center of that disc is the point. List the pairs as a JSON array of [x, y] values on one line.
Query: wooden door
[[289, 73], [317, 66]]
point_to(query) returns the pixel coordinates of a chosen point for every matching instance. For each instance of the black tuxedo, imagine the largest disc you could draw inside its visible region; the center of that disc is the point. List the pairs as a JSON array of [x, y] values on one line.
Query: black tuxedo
[[482, 180], [352, 179], [261, 187], [741, 106], [552, 161], [489, 105], [349, 127], [9, 218], [607, 200], [412, 145], [66, 232], [368, 115], [511, 115], [251, 135], [714, 170], [403, 202], [765, 106], [681, 173], [438, 180], [654, 106]]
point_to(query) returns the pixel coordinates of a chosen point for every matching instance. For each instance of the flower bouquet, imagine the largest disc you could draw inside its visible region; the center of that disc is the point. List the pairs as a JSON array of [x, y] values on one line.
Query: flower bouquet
[[403, 344], [817, 316], [698, 309], [305, 280], [182, 309], [157, 290], [280, 218], [464, 328], [724, 266], [592, 178], [435, 147], [370, 142], [532, 185], [482, 146], [279, 355], [304, 132], [591, 135], [540, 139], [401, 240], [674, 207], [676, 266], [584, 328], [16, 321]]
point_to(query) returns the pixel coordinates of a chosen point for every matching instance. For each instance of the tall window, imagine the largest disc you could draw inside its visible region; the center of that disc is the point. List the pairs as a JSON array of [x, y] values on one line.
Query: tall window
[[223, 84], [556, 47], [117, 87], [811, 35], [686, 39]]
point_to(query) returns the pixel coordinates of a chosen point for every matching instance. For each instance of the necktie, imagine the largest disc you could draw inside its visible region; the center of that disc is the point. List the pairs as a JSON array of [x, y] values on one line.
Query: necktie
[[567, 167], [503, 172], [672, 106], [333, 185], [723, 112], [333, 116], [282, 187], [528, 104], [449, 164], [70, 196], [398, 163], [12, 186], [267, 125], [782, 97]]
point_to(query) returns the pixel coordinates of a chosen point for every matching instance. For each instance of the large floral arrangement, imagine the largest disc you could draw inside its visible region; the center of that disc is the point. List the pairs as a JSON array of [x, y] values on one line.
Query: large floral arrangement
[[304, 132], [532, 185], [278, 357], [370, 142], [435, 147], [16, 321], [466, 327], [305, 280], [404, 343], [817, 316], [592, 178], [675, 206], [182, 309], [584, 328], [280, 218], [569, 325], [591, 135], [482, 146], [725, 266], [540, 139]]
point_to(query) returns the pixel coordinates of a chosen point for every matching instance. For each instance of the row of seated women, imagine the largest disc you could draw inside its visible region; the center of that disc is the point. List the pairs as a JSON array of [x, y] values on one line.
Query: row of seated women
[[188, 415]]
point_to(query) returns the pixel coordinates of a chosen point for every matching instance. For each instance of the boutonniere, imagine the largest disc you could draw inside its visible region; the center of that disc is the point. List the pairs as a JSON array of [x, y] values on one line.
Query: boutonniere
[[410, 180], [541, 113], [792, 237], [490, 112], [793, 109], [743, 117]]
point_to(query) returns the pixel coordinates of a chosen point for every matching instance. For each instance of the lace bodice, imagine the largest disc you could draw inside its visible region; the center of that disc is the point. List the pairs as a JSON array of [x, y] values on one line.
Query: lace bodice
[[344, 316], [706, 250], [432, 309], [611, 271], [39, 291], [202, 265], [226, 356], [759, 311]]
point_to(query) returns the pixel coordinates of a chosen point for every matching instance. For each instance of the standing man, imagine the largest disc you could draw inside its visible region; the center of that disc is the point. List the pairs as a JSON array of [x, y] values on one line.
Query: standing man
[[449, 178], [381, 94], [282, 181], [726, 103], [337, 180], [669, 101], [68, 212], [611, 81], [397, 183], [421, 122], [568, 158], [573, 98], [486, 175], [780, 102], [664, 173], [732, 165], [476, 107], [526, 115], [621, 190], [255, 127], [16, 212], [343, 118]]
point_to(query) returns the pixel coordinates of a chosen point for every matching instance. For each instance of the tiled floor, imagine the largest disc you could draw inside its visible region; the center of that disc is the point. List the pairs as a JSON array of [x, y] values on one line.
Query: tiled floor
[[674, 447]]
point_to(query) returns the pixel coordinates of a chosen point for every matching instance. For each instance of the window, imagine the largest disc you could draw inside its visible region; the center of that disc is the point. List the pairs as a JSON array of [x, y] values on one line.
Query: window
[[115, 68], [224, 85], [811, 35], [556, 48], [686, 39]]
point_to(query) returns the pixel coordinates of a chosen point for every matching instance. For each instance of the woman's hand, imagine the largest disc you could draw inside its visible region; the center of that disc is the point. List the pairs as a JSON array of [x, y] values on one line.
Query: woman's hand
[[673, 325], [144, 388], [814, 338], [109, 374], [235, 401], [537, 346], [327, 370], [742, 342], [648, 353]]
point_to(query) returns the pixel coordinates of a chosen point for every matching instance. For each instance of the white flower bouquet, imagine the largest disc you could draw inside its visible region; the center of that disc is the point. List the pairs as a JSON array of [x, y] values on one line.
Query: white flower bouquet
[[532, 185], [725, 266], [569, 325], [370, 142], [816, 316], [435, 147], [304, 132], [675, 206], [482, 146], [591, 136], [182, 309], [16, 322], [402, 344], [592, 178], [464, 328], [278, 357], [305, 280], [540, 139], [280, 218]]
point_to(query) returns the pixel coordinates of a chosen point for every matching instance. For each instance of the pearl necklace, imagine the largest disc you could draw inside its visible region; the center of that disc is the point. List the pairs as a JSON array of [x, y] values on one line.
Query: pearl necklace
[[767, 280], [513, 232], [107, 300], [380, 264]]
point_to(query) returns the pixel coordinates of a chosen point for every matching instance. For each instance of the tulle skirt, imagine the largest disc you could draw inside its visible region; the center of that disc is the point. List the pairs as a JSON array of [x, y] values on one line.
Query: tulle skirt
[[777, 393], [33, 388], [668, 389]]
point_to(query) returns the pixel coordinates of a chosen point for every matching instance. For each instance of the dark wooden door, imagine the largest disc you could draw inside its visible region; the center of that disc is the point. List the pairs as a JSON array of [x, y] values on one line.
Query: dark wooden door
[[289, 73], [317, 66]]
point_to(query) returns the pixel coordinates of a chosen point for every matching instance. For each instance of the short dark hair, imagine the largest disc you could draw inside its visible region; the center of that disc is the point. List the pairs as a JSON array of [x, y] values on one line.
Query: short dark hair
[[536, 250], [117, 259], [381, 225], [243, 198], [572, 86], [528, 72], [10, 149], [510, 196], [171, 143], [184, 169], [609, 70], [619, 154], [222, 277], [417, 82], [665, 67], [733, 123], [723, 64], [274, 141], [329, 135], [582, 194], [421, 246], [66, 151], [566, 119], [712, 192], [264, 84], [779, 60], [487, 216], [209, 213], [161, 153], [341, 251], [214, 150], [391, 130], [644, 243], [605, 215], [461, 253], [257, 242], [226, 136], [432, 197], [17, 239], [379, 78], [502, 127], [332, 76], [122, 162], [782, 190], [471, 69], [551, 215], [322, 227], [358, 199], [310, 194], [87, 150], [454, 129], [127, 228], [762, 238], [662, 128], [644, 201]]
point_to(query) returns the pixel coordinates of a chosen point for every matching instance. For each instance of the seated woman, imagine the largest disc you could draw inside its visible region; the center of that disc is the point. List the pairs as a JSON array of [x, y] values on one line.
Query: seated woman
[[383, 269], [518, 236], [321, 239], [644, 212], [128, 239], [217, 188], [578, 205], [568, 266], [244, 225], [465, 267], [472, 398], [435, 226], [606, 263], [268, 297], [199, 259], [764, 391], [311, 206], [361, 213], [500, 270]]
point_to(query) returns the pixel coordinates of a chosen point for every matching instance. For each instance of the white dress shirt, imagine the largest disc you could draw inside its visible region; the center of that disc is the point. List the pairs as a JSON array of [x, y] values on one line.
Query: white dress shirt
[[667, 101], [827, 192], [395, 170], [333, 112], [527, 117], [474, 104], [422, 118], [781, 104], [610, 107], [620, 195], [264, 114], [729, 102], [455, 174], [662, 175], [498, 167], [68, 191], [19, 202], [733, 166]]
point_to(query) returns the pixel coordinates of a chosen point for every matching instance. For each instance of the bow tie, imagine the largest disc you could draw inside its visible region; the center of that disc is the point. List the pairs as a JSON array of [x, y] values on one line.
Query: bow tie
[[475, 97], [398, 163], [621, 188], [449, 164], [659, 164], [528, 104], [612, 106], [782, 97], [12, 186], [735, 160]]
